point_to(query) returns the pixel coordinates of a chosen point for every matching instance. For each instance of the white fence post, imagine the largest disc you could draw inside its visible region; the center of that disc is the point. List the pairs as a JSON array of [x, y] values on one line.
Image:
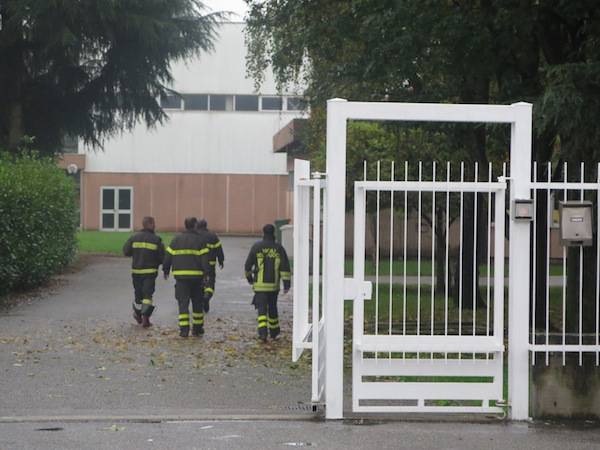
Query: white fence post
[[335, 233], [519, 264], [301, 255]]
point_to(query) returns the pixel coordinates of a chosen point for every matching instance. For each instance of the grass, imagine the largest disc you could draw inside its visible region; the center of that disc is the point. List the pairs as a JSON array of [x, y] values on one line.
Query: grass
[[420, 309], [108, 243], [412, 267]]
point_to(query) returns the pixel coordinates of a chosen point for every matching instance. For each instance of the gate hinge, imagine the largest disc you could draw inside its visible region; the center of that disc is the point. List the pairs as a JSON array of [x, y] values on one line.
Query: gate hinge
[[354, 289]]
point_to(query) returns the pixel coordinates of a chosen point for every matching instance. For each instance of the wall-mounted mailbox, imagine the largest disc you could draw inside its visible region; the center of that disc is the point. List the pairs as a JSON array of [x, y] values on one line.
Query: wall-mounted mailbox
[[576, 223], [523, 209]]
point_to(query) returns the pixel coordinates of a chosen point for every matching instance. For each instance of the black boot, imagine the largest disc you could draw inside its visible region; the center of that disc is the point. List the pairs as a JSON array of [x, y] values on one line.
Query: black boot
[[184, 331], [146, 322], [197, 330], [274, 332]]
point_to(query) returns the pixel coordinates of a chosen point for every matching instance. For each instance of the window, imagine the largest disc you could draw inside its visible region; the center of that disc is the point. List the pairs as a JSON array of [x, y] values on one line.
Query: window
[[170, 102], [195, 102], [296, 104], [116, 209], [272, 103], [221, 102], [246, 103], [69, 144]]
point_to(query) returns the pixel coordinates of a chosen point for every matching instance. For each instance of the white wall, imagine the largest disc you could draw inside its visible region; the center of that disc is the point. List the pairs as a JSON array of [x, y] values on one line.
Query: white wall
[[204, 141], [224, 70]]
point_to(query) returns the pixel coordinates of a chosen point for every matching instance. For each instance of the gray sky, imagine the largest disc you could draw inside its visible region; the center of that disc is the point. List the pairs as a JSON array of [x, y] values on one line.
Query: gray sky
[[236, 6]]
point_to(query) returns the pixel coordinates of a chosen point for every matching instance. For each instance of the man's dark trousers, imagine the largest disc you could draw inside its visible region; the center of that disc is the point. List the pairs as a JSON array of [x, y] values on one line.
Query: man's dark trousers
[[143, 286], [268, 317], [186, 290]]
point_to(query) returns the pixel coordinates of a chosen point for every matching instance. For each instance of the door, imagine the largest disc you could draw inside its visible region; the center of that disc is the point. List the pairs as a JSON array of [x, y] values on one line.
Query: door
[[116, 210]]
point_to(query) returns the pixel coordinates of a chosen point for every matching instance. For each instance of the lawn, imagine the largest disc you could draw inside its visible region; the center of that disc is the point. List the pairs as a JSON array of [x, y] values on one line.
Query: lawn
[[380, 309], [108, 242], [412, 267]]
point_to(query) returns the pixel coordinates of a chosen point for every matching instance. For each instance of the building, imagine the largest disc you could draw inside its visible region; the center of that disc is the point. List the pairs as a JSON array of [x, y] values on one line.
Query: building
[[214, 158]]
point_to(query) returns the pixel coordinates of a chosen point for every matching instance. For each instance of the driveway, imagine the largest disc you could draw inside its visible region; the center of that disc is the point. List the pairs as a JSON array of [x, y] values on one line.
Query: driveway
[[76, 351]]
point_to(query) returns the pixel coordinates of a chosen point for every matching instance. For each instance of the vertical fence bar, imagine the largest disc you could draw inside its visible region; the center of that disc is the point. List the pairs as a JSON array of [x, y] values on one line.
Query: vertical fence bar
[[534, 262], [475, 178], [334, 307], [548, 230], [460, 253], [316, 285], [500, 198], [404, 252], [598, 265], [489, 255], [377, 252], [581, 195], [419, 256], [433, 256], [564, 283], [447, 253], [519, 269], [358, 319], [391, 298]]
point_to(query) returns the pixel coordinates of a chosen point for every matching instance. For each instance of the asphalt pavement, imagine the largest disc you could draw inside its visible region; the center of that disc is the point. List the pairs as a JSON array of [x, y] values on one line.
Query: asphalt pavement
[[77, 373], [264, 435], [76, 351]]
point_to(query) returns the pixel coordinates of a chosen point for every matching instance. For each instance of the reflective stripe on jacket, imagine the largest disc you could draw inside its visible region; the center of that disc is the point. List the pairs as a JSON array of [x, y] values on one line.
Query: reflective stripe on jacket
[[147, 252], [187, 256], [214, 245], [267, 264]]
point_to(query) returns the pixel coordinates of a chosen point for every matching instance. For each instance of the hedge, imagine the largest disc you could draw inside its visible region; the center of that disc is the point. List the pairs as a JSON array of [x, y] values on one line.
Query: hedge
[[38, 220]]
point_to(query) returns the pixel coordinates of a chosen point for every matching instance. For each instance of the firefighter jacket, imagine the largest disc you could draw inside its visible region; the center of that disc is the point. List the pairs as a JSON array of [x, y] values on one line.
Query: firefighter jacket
[[187, 255], [147, 251], [267, 264], [214, 246]]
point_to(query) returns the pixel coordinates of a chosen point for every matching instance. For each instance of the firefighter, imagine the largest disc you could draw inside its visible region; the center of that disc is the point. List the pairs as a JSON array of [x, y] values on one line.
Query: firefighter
[[215, 255], [187, 255], [147, 252], [266, 266]]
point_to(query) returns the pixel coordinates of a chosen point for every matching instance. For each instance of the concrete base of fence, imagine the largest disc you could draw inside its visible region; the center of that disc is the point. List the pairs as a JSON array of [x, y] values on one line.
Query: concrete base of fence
[[570, 391]]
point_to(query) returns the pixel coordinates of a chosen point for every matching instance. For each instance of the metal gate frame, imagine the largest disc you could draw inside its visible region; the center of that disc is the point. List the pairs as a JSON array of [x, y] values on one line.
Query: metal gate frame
[[420, 396], [337, 288], [308, 319]]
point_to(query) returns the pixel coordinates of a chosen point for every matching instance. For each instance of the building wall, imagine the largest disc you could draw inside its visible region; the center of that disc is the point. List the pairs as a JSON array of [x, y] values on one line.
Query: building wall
[[224, 142], [216, 164], [232, 203]]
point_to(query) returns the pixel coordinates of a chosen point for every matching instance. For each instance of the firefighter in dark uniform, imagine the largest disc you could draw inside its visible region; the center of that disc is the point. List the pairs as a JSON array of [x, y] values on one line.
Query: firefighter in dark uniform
[[266, 266], [147, 252], [187, 255], [215, 255]]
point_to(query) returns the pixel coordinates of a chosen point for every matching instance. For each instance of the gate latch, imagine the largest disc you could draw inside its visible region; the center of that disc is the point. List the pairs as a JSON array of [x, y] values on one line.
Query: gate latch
[[354, 289]]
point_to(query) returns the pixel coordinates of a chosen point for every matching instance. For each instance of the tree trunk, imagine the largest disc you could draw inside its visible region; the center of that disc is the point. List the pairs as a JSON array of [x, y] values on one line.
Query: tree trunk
[[440, 251], [12, 55], [15, 125]]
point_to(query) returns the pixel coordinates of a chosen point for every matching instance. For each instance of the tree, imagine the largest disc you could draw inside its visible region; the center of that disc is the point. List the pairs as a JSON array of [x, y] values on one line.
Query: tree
[[545, 52], [88, 68]]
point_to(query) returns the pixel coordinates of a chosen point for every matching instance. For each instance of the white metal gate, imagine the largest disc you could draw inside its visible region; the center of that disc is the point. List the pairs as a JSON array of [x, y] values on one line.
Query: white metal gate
[[409, 354], [419, 358], [309, 323]]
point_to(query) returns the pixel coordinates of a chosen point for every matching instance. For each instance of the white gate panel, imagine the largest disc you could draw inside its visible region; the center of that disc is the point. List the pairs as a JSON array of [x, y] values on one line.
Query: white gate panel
[[308, 320], [402, 369]]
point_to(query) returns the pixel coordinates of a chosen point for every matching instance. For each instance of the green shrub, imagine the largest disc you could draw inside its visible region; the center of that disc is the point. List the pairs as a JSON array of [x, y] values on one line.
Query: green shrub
[[38, 220]]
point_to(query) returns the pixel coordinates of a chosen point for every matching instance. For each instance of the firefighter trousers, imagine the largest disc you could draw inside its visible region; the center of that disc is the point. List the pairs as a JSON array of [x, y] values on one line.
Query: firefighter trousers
[[143, 288], [186, 290], [268, 318], [209, 289]]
